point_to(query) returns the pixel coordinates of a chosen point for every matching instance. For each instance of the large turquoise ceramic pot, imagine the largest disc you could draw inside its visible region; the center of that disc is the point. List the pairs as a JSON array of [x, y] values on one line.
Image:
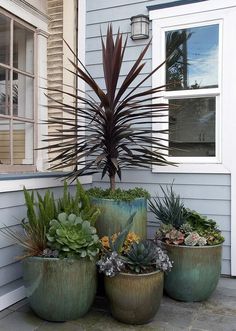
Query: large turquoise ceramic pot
[[115, 213], [195, 273], [60, 289], [135, 298]]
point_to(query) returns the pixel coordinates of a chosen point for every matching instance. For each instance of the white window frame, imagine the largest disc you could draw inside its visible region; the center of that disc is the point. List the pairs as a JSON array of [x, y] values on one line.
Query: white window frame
[[187, 16], [191, 93], [21, 119], [24, 14]]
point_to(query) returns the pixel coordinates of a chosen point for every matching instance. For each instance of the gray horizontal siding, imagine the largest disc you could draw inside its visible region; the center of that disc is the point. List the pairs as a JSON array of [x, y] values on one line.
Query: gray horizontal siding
[[209, 194]]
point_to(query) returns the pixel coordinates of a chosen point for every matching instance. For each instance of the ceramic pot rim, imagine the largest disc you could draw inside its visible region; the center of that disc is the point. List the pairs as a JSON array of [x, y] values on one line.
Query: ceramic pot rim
[[41, 258], [191, 247], [118, 200], [139, 275]]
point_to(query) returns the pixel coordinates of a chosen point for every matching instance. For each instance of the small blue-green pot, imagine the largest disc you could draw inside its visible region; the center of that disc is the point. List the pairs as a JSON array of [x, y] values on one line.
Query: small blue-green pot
[[195, 273], [60, 289]]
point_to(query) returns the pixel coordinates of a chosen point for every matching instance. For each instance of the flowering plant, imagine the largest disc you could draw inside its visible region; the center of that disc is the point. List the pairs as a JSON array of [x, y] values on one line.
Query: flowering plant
[[125, 252], [130, 238]]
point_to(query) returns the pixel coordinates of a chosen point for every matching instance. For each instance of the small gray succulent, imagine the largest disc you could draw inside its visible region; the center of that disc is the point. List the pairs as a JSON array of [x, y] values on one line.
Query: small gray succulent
[[110, 264], [193, 239]]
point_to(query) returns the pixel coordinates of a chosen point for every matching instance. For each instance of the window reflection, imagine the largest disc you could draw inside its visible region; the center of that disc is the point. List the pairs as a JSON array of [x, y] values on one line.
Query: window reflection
[[193, 58], [23, 141], [4, 39], [4, 91], [23, 48], [23, 98], [5, 156], [192, 127]]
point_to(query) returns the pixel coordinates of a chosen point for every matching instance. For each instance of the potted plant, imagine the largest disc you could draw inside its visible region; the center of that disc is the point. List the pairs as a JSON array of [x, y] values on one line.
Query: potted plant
[[194, 244], [133, 271], [59, 262], [114, 139]]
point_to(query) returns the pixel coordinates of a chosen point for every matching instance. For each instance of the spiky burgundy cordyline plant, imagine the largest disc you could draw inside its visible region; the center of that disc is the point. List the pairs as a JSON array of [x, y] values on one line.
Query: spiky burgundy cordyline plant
[[112, 140]]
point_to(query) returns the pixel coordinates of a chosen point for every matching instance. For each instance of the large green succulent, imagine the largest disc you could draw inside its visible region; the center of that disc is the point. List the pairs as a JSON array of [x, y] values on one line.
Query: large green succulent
[[146, 256], [73, 237]]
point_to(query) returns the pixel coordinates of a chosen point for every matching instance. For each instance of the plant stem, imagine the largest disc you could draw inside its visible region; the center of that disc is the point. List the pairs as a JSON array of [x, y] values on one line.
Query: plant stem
[[112, 183]]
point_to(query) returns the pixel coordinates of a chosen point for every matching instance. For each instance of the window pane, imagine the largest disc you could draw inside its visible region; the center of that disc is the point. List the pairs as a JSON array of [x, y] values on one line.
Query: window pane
[[4, 91], [4, 39], [194, 62], [23, 48], [23, 96], [22, 143], [192, 127], [5, 155]]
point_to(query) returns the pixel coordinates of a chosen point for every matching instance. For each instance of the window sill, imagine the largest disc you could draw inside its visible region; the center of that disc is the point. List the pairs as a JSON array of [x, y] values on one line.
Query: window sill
[[197, 168], [40, 180]]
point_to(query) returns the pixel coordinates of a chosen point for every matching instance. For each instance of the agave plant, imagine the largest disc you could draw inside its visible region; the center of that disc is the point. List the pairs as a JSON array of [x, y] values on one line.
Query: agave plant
[[113, 139], [146, 256], [170, 209]]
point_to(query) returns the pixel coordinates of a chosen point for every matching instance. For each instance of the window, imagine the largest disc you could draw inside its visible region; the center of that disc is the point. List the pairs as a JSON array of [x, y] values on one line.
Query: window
[[193, 69], [17, 118], [200, 82]]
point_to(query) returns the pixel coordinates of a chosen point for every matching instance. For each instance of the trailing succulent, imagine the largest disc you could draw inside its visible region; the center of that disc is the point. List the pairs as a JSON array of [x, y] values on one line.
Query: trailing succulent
[[125, 252], [72, 237], [182, 226]]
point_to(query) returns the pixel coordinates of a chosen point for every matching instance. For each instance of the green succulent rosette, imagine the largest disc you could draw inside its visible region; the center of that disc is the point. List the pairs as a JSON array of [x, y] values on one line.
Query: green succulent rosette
[[73, 237]]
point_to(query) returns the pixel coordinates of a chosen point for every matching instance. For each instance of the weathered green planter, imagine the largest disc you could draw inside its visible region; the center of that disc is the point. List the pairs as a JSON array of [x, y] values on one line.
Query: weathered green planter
[[134, 299], [195, 273], [60, 289], [115, 213]]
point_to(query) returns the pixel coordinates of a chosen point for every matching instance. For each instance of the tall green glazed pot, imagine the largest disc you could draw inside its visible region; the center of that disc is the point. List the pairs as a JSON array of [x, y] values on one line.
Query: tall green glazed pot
[[135, 298], [60, 289], [195, 272], [115, 213]]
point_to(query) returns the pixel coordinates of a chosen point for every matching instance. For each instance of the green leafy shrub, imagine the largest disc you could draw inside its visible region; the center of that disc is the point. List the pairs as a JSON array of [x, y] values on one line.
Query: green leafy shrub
[[118, 194], [39, 214], [72, 237]]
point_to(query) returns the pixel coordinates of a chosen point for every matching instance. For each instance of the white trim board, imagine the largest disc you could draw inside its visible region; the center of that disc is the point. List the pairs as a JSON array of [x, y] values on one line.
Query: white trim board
[[36, 183], [26, 13]]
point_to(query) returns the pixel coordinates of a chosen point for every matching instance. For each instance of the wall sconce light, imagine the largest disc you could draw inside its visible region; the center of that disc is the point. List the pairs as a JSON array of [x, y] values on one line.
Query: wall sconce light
[[139, 27]]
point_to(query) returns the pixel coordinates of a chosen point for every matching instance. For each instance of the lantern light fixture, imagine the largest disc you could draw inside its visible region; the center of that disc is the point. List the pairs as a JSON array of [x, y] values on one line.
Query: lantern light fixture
[[139, 27]]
